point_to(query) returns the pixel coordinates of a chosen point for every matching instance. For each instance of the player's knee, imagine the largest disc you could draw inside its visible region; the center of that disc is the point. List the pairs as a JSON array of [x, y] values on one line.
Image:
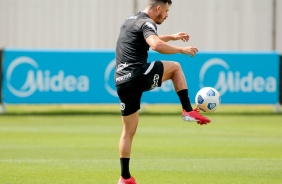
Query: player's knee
[[130, 133], [176, 66]]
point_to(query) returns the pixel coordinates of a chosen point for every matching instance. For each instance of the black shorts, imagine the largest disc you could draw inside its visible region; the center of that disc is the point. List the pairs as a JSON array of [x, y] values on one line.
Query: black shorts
[[130, 92]]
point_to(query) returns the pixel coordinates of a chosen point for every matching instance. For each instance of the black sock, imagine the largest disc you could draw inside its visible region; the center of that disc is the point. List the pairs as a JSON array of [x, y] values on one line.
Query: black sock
[[184, 99], [124, 164]]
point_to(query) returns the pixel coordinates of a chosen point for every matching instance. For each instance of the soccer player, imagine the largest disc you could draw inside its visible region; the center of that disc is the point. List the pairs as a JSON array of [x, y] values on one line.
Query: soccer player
[[134, 75]]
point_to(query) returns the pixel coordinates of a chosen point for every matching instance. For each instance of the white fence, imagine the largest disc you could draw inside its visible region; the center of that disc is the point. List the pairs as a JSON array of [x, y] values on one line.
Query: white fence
[[94, 24]]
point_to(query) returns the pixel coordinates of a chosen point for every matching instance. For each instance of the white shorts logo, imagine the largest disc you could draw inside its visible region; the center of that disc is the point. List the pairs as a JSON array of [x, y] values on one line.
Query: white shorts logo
[[122, 106], [156, 81]]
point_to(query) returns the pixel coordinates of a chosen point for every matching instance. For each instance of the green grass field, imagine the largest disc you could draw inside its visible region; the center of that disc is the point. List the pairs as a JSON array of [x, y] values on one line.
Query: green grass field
[[79, 144]]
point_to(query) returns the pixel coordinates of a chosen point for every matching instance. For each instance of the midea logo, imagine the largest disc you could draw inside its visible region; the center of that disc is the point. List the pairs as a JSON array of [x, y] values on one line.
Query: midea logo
[[43, 81], [234, 81], [109, 70]]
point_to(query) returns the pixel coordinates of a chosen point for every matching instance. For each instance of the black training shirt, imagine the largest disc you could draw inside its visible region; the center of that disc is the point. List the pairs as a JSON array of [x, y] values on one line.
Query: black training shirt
[[132, 48]]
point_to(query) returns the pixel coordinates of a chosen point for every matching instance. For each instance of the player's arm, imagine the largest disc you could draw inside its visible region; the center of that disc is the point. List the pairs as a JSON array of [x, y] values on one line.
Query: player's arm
[[161, 46], [177, 36]]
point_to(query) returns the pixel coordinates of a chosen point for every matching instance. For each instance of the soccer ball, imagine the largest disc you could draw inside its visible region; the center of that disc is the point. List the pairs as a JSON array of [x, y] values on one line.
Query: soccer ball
[[207, 99]]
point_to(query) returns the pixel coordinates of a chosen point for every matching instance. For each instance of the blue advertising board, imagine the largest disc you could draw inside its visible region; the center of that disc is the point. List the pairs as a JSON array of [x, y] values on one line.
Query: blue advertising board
[[47, 76]]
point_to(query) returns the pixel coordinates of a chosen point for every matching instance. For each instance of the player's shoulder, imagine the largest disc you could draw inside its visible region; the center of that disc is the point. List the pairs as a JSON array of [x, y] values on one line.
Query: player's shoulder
[[148, 25], [141, 21], [141, 18], [146, 22]]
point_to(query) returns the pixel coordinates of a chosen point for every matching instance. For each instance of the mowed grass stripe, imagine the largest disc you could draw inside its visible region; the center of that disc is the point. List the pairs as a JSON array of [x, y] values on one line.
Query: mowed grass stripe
[[83, 148]]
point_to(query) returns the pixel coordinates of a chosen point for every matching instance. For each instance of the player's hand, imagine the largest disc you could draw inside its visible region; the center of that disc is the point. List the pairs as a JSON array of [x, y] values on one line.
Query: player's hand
[[189, 50], [181, 36]]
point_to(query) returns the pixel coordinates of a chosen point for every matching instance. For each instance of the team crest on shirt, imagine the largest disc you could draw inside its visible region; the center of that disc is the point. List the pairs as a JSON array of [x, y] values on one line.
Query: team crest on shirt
[[149, 24]]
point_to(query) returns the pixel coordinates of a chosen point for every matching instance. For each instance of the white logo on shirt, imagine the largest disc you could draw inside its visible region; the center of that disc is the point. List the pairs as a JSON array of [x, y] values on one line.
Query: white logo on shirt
[[123, 77], [132, 17], [121, 67]]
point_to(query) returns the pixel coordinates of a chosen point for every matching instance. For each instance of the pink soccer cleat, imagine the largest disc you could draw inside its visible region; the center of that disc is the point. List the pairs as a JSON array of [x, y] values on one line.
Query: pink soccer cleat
[[194, 115], [126, 181]]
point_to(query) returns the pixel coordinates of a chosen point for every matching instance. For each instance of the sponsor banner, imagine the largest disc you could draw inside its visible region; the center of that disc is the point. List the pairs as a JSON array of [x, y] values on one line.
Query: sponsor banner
[[1, 74], [280, 78], [240, 78], [57, 77], [88, 77]]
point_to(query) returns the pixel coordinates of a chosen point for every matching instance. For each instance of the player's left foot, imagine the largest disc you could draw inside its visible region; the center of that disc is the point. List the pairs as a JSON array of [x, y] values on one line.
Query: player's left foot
[[127, 181]]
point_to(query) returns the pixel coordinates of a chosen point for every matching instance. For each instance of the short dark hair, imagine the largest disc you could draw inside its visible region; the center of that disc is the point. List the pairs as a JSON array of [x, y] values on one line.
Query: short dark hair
[[166, 1], [155, 2]]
